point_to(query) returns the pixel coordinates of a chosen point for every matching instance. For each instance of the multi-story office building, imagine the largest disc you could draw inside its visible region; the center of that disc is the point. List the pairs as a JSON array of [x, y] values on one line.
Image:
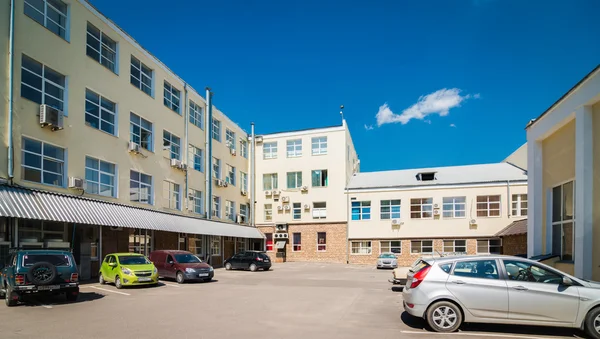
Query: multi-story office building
[[301, 177], [86, 111], [458, 209]]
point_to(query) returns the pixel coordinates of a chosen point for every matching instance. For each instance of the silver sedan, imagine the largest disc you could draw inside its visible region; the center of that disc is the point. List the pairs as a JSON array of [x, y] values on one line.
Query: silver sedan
[[500, 289], [387, 260]]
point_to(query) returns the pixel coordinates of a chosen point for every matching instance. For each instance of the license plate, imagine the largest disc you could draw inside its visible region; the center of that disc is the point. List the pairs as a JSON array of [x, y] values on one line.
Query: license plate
[[144, 279], [203, 275], [49, 287], [267, 260]]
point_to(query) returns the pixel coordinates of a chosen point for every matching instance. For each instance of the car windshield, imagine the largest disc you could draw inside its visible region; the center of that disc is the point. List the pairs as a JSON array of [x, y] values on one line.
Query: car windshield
[[133, 260], [54, 259], [187, 259], [387, 256]]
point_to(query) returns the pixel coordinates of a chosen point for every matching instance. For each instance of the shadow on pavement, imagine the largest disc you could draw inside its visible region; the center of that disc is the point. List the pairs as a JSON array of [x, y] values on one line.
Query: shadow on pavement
[[40, 300], [397, 288]]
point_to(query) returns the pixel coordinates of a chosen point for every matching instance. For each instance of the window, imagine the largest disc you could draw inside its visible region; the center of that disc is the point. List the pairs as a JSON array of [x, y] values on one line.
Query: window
[[426, 176], [482, 269], [140, 187], [244, 212], [270, 150], [172, 143], [269, 241], [319, 178], [489, 246], [230, 138], [563, 220], [196, 201], [361, 210], [294, 179], [230, 210], [51, 14], [488, 206], [454, 207], [141, 76], [524, 271], [421, 246], [216, 206], [196, 115], [41, 84], [268, 212], [294, 148], [101, 48], [321, 241], [197, 157], [394, 246], [244, 181], [230, 178], [42, 162], [100, 177], [172, 96], [171, 195], [270, 181], [216, 130], [297, 211], [215, 245], [141, 132], [100, 113], [421, 208], [244, 148], [216, 163], [390, 209], [319, 210], [297, 242], [319, 145], [519, 205], [361, 247], [455, 246]]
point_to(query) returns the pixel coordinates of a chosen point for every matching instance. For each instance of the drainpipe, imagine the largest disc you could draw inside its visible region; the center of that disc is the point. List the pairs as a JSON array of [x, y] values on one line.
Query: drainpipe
[[186, 110], [347, 225], [252, 179], [508, 196], [11, 58], [208, 152]]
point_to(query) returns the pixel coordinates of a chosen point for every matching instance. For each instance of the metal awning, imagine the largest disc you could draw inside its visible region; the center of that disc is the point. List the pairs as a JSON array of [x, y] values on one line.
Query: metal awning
[[280, 244], [19, 202]]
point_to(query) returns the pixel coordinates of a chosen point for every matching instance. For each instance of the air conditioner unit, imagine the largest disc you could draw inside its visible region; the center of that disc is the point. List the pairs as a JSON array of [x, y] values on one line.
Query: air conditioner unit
[[133, 147], [396, 222], [276, 193], [220, 182], [176, 163], [225, 183], [436, 212], [285, 199], [232, 151], [241, 219], [281, 236], [281, 227], [115, 228], [286, 207], [472, 222], [436, 206], [304, 188], [280, 208], [307, 207], [244, 193], [50, 116], [76, 183], [258, 139], [268, 193]]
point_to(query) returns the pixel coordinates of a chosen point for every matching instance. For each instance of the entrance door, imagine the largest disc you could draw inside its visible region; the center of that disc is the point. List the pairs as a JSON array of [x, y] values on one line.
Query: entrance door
[[229, 249]]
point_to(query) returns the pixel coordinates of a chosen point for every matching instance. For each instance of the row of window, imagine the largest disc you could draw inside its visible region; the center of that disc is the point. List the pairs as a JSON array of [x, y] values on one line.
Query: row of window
[[319, 178], [452, 207], [484, 246], [294, 148], [319, 210], [297, 242]]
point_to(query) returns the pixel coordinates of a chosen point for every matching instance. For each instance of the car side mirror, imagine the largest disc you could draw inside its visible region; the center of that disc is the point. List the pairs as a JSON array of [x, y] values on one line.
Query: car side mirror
[[112, 264], [566, 281], [171, 263]]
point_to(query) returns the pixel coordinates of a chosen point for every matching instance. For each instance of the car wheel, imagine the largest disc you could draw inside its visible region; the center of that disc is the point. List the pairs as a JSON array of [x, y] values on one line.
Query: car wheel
[[444, 316], [179, 277], [253, 267], [8, 297], [592, 323], [118, 283], [101, 280], [228, 266]]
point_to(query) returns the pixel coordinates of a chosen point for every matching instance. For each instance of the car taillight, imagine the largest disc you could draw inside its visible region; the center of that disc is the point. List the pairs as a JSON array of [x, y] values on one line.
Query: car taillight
[[19, 279], [74, 277], [259, 259], [419, 276]]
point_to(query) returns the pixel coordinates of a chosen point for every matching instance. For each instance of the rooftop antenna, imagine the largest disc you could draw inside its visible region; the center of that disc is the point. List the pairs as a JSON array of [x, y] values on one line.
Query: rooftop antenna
[[342, 111]]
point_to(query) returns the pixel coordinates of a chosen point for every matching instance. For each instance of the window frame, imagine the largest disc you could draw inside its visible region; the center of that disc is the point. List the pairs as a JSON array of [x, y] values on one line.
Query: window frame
[[268, 212], [421, 203], [516, 205], [100, 172], [216, 206], [65, 14], [297, 245], [215, 245], [319, 142], [43, 158], [141, 183], [230, 210], [454, 213], [272, 148], [197, 198], [230, 178], [244, 148], [171, 97], [132, 135], [364, 210], [390, 247], [101, 109], [269, 242], [391, 214], [273, 180], [102, 44], [172, 190], [215, 130], [143, 71], [412, 247], [454, 246], [45, 81], [174, 147], [296, 146], [361, 248], [563, 221], [297, 180], [197, 157], [230, 139], [488, 211], [489, 246], [322, 210], [244, 181], [216, 168], [318, 174], [321, 246], [296, 211], [196, 114]]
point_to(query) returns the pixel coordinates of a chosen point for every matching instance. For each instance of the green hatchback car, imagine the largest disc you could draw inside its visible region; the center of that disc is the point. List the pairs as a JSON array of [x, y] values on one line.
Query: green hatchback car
[[127, 269]]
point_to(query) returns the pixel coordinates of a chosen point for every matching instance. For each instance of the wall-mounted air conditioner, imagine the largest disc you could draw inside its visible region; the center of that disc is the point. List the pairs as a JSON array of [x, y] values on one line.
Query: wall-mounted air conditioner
[[244, 193], [258, 139], [396, 222], [286, 207], [307, 207], [133, 147], [76, 183], [232, 150], [176, 163], [281, 227], [436, 212], [436, 206], [52, 117], [281, 236], [276, 193], [280, 208], [241, 219], [285, 199], [472, 222], [268, 193], [304, 189]]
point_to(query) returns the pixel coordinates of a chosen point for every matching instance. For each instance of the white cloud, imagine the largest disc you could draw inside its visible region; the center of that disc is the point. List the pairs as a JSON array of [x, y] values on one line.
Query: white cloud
[[439, 102], [452, 125], [369, 127]]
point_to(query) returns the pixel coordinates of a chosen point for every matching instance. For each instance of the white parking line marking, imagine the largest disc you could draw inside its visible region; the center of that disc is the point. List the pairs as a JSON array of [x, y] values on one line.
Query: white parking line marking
[[45, 306], [104, 289], [477, 334], [172, 285]]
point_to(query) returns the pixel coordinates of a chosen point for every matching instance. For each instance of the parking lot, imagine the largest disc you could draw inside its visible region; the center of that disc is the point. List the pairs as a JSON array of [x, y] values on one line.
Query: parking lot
[[293, 300]]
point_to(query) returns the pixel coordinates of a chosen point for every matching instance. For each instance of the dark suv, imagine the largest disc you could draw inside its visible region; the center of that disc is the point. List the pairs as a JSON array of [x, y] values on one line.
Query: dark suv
[[249, 260], [38, 271]]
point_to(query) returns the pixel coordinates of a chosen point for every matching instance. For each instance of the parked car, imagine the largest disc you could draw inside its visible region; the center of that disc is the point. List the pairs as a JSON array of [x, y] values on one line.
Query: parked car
[[38, 272], [249, 260], [387, 260], [181, 265], [127, 269], [400, 274], [500, 289]]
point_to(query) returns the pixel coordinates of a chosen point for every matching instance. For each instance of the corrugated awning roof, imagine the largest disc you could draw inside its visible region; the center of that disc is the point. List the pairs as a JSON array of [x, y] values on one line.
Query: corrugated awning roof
[[19, 202], [515, 228]]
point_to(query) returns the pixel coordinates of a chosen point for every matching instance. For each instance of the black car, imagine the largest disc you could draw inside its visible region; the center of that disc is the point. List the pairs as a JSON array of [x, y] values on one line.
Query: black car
[[249, 260]]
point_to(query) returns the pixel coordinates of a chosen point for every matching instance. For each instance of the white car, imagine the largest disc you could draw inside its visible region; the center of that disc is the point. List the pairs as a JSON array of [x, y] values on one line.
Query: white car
[[387, 260]]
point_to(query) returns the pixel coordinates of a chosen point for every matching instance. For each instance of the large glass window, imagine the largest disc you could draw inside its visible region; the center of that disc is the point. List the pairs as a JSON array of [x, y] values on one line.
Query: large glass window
[[294, 180], [519, 205], [42, 84], [141, 132], [171, 195], [230, 178], [270, 150], [454, 207], [390, 209], [100, 113], [319, 210], [42, 162], [563, 220], [230, 210], [216, 163], [244, 148], [172, 143], [361, 247], [294, 148], [421, 246], [393, 246], [421, 208], [196, 115], [197, 158], [270, 181], [489, 246], [488, 206], [101, 48], [216, 130], [319, 145], [216, 206], [230, 138], [197, 203], [140, 187], [51, 14], [244, 181], [172, 96], [455, 246], [140, 241], [141, 76], [319, 178], [361, 210], [100, 177]]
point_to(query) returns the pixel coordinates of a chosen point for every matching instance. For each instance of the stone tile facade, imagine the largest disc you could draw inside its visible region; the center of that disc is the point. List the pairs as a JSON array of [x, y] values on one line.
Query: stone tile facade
[[514, 244]]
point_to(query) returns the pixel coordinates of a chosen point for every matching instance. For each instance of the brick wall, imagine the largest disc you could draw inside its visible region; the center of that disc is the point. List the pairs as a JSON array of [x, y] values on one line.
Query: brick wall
[[514, 244], [336, 242], [166, 240]]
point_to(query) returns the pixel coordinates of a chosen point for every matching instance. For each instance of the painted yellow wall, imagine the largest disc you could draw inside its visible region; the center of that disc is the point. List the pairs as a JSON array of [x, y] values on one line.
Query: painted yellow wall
[[4, 33], [596, 191], [558, 163]]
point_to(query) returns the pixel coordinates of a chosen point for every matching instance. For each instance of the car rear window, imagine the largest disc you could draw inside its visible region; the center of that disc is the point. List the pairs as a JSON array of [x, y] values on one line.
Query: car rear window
[[60, 260], [263, 256]]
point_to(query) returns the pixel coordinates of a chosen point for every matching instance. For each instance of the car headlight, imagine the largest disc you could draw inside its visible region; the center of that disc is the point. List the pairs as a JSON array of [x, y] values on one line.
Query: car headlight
[[126, 271], [155, 270], [190, 270], [211, 269]]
